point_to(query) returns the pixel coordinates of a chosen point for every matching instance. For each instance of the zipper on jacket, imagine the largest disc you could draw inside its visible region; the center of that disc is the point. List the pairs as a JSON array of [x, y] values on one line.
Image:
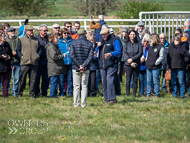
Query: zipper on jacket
[[103, 56], [30, 50]]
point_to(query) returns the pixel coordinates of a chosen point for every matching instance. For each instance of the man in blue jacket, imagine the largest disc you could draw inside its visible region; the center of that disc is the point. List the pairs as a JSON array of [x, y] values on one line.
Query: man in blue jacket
[[81, 53], [187, 28], [42, 62], [109, 50]]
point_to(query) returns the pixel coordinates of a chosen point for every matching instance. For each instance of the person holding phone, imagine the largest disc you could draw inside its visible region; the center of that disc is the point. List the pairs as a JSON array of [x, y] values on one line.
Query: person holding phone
[[132, 52]]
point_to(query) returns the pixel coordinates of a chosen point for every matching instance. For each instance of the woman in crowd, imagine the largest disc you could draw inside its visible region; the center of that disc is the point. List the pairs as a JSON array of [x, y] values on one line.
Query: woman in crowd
[[55, 63], [93, 67], [153, 64], [132, 52], [63, 44], [177, 58], [6, 63], [142, 74]]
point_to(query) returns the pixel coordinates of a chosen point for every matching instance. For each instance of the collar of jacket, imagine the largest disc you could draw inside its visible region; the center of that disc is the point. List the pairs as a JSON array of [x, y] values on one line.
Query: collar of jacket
[[29, 37], [12, 38], [166, 44], [82, 37], [46, 37], [65, 40], [187, 30], [54, 44], [109, 36]]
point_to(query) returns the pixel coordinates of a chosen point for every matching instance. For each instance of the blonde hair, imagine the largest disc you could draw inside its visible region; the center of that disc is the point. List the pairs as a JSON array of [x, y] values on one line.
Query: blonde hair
[[52, 36], [155, 38], [91, 38]]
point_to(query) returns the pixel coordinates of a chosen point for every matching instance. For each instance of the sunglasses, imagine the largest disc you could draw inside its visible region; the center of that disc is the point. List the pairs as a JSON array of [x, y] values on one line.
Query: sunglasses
[[56, 27], [69, 26], [45, 30], [12, 31], [67, 33], [162, 38]]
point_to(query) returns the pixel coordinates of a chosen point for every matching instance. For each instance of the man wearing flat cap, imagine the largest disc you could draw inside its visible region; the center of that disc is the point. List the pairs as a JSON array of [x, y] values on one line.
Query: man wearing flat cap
[[29, 51], [109, 50], [140, 28], [13, 41], [81, 53]]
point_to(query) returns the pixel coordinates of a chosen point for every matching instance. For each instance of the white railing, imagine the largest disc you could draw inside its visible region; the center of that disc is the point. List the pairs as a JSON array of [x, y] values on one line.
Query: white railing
[[162, 19]]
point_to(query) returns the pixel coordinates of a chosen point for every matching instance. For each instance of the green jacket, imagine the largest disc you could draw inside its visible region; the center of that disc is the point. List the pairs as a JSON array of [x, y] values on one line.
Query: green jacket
[[29, 49], [13, 44], [55, 57]]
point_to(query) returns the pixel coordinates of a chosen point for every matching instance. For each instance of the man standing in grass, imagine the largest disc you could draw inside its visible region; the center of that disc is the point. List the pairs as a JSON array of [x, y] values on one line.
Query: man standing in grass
[[29, 53], [109, 50], [81, 53], [13, 40]]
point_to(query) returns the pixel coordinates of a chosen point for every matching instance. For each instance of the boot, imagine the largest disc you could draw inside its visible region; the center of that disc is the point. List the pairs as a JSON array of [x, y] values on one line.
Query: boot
[[144, 90]]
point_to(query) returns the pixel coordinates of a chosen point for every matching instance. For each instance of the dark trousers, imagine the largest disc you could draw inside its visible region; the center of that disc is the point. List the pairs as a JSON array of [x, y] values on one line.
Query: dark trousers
[[32, 70], [129, 71], [121, 70], [108, 86], [92, 83], [117, 84], [42, 72], [5, 76]]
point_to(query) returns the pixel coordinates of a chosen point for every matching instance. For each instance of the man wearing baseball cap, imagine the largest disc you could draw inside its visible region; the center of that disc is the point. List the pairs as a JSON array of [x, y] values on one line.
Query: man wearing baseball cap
[[140, 28], [109, 50], [29, 52]]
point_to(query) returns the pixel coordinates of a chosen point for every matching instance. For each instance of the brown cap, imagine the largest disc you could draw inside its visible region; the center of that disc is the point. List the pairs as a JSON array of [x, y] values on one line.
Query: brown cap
[[81, 32], [104, 31], [29, 27]]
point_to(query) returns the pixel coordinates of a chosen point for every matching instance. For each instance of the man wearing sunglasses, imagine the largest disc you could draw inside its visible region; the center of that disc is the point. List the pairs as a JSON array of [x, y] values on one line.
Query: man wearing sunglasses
[[164, 62], [68, 25], [42, 62]]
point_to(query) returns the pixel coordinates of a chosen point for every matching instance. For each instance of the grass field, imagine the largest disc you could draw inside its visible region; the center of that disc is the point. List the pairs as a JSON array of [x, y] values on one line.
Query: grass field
[[132, 119]]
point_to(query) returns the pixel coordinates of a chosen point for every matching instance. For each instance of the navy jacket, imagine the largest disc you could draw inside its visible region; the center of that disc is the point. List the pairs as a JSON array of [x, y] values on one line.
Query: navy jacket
[[94, 64], [97, 31], [5, 65], [81, 53], [43, 44]]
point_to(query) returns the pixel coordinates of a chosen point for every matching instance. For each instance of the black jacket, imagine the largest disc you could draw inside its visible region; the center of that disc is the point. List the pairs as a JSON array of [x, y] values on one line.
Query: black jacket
[[5, 65], [81, 53], [177, 56], [43, 44], [132, 51]]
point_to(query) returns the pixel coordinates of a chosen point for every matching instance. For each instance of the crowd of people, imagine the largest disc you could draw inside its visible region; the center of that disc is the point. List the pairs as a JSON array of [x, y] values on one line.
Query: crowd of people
[[72, 59]]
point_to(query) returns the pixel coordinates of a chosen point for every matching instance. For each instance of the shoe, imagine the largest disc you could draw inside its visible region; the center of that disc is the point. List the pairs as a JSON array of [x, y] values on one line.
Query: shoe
[[147, 97], [157, 96], [113, 101], [19, 96], [32, 97], [55, 97]]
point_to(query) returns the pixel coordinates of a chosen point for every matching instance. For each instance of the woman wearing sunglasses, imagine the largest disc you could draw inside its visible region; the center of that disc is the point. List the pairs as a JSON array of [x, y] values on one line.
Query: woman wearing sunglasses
[[66, 79]]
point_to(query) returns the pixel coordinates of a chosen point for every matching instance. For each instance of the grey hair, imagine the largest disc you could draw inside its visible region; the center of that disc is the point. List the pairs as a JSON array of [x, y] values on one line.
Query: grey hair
[[185, 35], [104, 26], [187, 24], [147, 37], [164, 35], [124, 29], [55, 24], [41, 26], [101, 17]]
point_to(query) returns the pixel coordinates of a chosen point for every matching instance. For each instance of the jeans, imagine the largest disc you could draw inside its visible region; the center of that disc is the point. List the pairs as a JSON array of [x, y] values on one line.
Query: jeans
[[180, 74], [16, 75], [54, 80], [129, 72], [142, 81], [62, 81], [163, 80], [108, 87], [42, 72], [78, 79], [155, 74]]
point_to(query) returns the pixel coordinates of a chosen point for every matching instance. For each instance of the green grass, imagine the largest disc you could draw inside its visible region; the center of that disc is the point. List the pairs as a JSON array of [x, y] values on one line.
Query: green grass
[[130, 120]]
